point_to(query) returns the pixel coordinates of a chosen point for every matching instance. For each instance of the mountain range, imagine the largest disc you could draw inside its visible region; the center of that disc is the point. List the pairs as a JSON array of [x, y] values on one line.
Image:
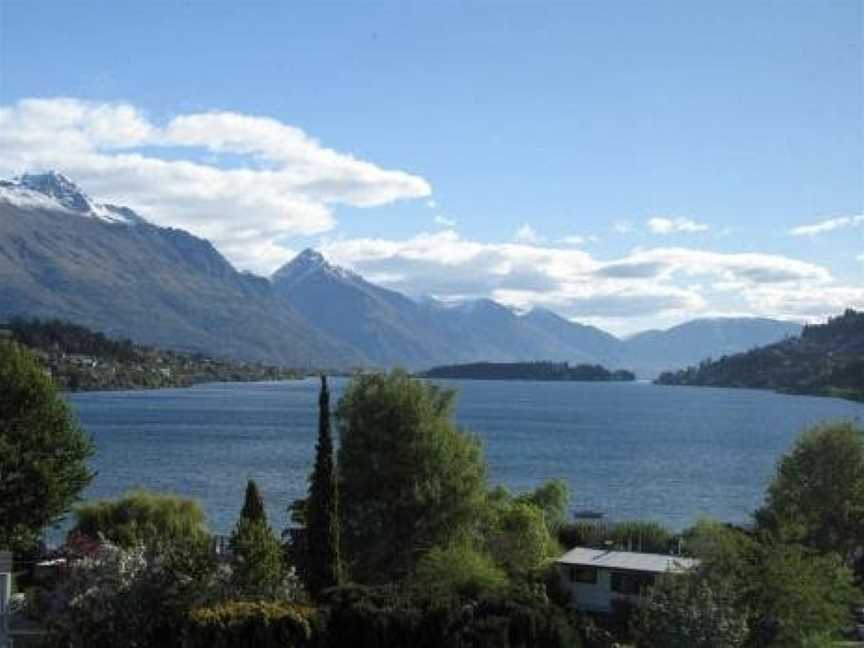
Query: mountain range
[[104, 266]]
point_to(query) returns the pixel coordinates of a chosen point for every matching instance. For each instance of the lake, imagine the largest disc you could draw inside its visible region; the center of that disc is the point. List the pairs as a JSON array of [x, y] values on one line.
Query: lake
[[633, 450]]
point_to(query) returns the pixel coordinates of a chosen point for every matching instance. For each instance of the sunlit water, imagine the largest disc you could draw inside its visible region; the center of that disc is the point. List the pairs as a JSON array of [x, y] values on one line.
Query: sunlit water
[[633, 450]]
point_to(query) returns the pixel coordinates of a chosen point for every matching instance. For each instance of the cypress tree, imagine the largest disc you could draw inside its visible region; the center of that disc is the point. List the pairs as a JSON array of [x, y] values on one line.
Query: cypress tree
[[323, 567], [253, 505]]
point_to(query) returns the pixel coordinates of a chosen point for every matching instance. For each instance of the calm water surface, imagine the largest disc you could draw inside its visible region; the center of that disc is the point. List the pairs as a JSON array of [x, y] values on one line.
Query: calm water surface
[[634, 450]]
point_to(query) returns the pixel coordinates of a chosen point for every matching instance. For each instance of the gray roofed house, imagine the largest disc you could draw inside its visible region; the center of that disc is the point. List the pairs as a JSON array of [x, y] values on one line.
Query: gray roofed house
[[597, 578]]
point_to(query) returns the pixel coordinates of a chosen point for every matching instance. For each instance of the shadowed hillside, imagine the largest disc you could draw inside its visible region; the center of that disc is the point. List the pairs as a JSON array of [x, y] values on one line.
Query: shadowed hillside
[[826, 360]]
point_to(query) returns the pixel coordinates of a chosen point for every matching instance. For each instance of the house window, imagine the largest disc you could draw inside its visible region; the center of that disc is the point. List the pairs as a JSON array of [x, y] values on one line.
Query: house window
[[583, 574], [630, 584]]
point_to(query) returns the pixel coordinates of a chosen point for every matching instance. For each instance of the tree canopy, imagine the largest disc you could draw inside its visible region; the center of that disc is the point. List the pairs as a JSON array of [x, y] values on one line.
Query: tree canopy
[[409, 478], [43, 450], [817, 495]]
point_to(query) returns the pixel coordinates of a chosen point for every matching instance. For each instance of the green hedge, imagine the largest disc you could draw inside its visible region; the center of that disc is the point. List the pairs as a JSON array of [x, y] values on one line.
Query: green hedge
[[242, 624]]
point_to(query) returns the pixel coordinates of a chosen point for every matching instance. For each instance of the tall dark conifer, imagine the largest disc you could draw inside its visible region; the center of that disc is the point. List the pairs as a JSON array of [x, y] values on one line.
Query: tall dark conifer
[[253, 505], [323, 567]]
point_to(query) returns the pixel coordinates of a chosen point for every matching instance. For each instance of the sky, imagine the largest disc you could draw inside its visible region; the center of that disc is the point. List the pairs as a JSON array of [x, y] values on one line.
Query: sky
[[627, 164]]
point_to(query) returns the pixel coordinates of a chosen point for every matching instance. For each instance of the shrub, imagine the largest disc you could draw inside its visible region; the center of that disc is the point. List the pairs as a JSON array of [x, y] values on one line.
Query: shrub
[[459, 569], [248, 624], [142, 517]]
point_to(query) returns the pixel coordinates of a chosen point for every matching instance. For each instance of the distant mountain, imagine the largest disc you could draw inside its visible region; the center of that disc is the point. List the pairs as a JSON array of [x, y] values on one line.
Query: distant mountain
[[105, 267], [389, 328], [689, 343], [826, 359], [65, 255]]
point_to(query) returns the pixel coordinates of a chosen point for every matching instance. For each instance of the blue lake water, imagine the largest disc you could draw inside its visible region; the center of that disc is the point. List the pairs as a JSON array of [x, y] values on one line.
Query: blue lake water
[[633, 450]]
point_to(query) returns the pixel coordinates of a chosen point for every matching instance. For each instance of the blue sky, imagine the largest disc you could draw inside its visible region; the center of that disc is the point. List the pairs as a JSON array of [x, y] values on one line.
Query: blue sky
[[627, 164]]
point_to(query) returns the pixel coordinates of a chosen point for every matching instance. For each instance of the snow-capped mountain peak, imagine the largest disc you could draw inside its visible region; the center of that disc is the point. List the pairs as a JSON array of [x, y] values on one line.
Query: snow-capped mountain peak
[[307, 263], [57, 186], [54, 191]]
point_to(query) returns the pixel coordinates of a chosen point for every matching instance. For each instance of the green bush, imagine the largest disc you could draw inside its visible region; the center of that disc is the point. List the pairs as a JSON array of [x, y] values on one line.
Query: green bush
[[142, 517], [244, 624], [459, 570]]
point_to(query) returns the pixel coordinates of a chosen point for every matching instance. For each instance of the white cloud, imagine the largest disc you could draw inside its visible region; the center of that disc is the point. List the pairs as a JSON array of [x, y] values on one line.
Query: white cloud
[[442, 220], [672, 225], [280, 183], [659, 282], [527, 234], [431, 204], [860, 257], [828, 225], [623, 227]]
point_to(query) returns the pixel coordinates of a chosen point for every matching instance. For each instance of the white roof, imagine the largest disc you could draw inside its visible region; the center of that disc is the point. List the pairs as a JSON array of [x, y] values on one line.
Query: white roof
[[627, 560]]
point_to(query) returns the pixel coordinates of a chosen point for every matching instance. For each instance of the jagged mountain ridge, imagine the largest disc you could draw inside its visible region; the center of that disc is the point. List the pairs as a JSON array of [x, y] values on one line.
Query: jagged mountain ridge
[[64, 255]]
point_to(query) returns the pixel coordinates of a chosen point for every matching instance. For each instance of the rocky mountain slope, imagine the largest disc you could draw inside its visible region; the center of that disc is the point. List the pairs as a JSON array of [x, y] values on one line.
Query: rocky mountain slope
[[63, 256]]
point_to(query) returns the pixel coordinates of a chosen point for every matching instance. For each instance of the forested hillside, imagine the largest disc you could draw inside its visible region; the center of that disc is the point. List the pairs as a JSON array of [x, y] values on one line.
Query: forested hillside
[[826, 359], [83, 360]]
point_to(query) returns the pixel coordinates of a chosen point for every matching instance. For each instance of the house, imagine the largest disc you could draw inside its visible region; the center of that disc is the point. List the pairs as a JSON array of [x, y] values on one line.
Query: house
[[596, 579]]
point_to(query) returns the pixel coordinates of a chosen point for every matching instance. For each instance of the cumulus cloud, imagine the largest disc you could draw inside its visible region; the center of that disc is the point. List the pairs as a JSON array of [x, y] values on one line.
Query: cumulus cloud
[[442, 220], [829, 225], [280, 182], [666, 282], [660, 225], [623, 227]]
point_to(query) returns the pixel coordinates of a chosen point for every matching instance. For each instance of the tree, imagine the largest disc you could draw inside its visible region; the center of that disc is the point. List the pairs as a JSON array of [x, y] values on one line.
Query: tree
[[142, 517], [322, 565], [257, 565], [790, 594], [817, 495], [519, 539], [43, 451], [409, 479], [258, 569], [253, 505], [552, 498]]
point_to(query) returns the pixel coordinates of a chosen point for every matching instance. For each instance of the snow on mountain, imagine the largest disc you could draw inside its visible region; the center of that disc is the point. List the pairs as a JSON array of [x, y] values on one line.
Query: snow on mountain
[[54, 191], [307, 263]]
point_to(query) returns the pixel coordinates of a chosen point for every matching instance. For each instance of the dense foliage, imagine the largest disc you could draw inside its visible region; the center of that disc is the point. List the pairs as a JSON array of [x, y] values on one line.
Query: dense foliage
[[81, 360], [250, 624], [409, 479], [43, 451], [142, 517], [681, 611], [135, 597], [529, 371], [362, 617], [789, 595], [827, 359], [817, 496]]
